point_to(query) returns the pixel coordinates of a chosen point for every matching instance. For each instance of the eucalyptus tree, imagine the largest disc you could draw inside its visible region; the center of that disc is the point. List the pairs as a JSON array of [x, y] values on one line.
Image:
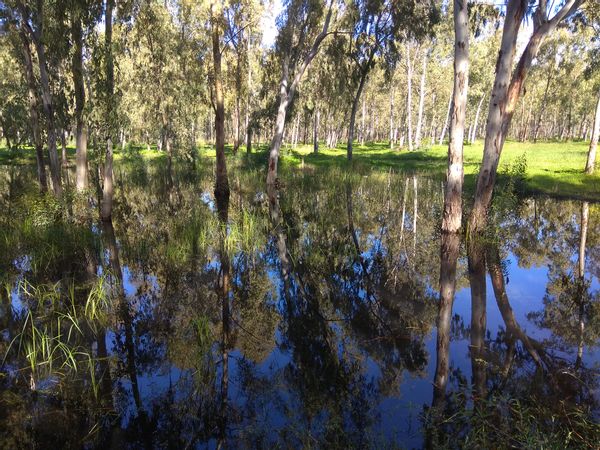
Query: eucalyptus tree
[[297, 44], [375, 29], [32, 19], [508, 88]]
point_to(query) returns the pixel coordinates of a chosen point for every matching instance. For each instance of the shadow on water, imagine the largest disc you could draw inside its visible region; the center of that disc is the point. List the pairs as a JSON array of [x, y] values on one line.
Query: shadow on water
[[305, 317]]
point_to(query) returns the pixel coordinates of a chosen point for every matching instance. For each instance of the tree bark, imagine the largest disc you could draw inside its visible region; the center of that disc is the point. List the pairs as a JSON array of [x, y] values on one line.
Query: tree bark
[[361, 85], [421, 102], [36, 36], [316, 117], [445, 128], [473, 135], [591, 157], [79, 87], [452, 216], [542, 106], [448, 259], [478, 318], [107, 188], [409, 74], [286, 93], [33, 112], [506, 92], [222, 181]]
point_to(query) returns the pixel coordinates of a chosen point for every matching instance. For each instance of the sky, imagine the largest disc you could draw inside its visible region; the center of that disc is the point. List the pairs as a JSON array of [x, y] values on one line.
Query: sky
[[269, 29]]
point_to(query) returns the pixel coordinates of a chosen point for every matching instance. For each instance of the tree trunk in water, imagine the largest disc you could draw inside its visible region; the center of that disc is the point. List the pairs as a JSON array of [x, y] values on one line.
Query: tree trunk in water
[[421, 103], [361, 85], [585, 214], [506, 93], [452, 216], [478, 318], [107, 190], [445, 128], [409, 73], [222, 181], [449, 256], [79, 87], [473, 135], [33, 113], [591, 158]]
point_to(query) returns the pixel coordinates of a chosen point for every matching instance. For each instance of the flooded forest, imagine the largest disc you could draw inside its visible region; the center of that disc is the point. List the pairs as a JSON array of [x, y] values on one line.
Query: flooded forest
[[299, 224]]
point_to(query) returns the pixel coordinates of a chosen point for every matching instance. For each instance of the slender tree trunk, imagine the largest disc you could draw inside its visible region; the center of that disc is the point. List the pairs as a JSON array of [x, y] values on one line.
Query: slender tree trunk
[[63, 147], [392, 118], [79, 88], [452, 216], [445, 128], [362, 126], [222, 180], [286, 93], [478, 318], [591, 158], [248, 98], [409, 75], [449, 256], [542, 106], [36, 37], [316, 117], [33, 112], [238, 92], [107, 190], [361, 85], [473, 135], [506, 93], [421, 102], [585, 214]]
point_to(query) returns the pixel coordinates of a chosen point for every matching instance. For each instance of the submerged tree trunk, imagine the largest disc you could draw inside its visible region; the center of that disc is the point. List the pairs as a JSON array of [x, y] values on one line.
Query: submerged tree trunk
[[506, 93], [421, 102], [448, 259], [452, 216], [591, 158], [33, 112], [79, 88], [478, 318], [107, 188]]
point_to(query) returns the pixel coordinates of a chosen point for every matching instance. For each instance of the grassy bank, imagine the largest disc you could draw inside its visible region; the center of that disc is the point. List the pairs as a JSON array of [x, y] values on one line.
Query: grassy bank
[[553, 168]]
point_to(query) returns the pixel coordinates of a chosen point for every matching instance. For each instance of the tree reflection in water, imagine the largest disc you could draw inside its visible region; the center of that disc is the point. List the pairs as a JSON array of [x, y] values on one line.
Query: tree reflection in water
[[296, 317]]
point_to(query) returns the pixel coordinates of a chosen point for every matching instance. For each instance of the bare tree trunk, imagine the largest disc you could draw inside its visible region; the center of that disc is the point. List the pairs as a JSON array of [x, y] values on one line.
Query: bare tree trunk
[[36, 36], [33, 112], [445, 128], [473, 135], [585, 214], [478, 318], [286, 93], [362, 126], [506, 92], [222, 181], [542, 106], [79, 87], [421, 102], [452, 216], [317, 115], [591, 158], [409, 75], [392, 118], [248, 98], [107, 191], [448, 259], [361, 85]]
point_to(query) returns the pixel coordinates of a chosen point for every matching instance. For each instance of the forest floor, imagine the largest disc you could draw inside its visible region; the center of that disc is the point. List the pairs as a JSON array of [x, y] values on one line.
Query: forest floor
[[552, 168]]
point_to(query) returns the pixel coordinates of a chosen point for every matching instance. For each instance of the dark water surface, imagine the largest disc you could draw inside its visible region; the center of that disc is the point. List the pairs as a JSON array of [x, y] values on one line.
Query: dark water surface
[[303, 321]]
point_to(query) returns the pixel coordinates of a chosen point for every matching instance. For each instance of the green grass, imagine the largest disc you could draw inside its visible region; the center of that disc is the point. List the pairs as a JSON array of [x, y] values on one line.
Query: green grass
[[553, 168]]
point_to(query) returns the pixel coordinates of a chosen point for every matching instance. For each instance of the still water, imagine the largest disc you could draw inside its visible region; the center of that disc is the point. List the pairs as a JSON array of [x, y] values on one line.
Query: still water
[[306, 320]]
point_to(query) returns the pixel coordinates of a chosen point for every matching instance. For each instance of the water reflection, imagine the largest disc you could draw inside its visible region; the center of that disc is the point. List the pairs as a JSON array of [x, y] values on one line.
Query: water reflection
[[304, 317]]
